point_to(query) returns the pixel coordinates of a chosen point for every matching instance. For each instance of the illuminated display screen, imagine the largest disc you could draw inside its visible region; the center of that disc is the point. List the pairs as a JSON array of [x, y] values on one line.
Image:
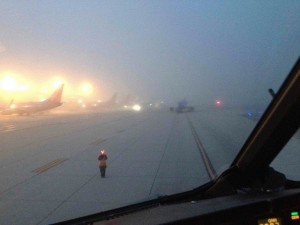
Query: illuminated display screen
[[270, 221], [294, 215]]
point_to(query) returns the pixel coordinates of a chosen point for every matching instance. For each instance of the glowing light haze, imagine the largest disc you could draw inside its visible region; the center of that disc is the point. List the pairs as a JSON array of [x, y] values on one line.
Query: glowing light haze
[[155, 50]]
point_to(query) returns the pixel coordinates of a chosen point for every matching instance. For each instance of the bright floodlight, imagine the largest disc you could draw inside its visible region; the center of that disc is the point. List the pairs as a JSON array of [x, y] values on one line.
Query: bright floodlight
[[136, 107], [57, 83], [12, 106], [86, 88], [9, 84]]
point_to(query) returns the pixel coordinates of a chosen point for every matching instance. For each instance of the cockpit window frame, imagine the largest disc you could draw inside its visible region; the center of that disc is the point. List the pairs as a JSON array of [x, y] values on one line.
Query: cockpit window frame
[[278, 124]]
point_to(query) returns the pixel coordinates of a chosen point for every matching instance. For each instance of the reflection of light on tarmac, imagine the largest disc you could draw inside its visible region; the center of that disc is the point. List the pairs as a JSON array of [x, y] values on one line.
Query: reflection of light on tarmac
[[7, 128]]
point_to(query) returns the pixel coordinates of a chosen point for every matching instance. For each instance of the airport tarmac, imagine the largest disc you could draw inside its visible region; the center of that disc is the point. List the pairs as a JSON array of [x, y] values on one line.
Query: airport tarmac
[[49, 169]]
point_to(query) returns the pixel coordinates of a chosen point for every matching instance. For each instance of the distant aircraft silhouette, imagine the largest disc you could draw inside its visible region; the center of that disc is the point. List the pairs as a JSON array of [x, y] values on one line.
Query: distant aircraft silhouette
[[27, 108]]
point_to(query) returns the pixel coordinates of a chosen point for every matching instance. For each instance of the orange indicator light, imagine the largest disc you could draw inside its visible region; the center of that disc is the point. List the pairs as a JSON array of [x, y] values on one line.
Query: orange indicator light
[[296, 217]]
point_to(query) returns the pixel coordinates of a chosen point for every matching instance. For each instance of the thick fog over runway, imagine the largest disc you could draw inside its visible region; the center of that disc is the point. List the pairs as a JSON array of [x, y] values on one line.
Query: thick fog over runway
[[98, 57], [49, 169]]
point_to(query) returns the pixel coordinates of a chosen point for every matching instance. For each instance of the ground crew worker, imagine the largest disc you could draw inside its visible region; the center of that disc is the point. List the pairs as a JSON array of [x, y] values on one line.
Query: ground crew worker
[[102, 162]]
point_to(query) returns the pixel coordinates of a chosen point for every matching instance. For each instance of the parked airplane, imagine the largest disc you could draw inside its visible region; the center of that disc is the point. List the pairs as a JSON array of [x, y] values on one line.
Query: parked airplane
[[182, 107], [111, 103], [98, 105], [27, 108]]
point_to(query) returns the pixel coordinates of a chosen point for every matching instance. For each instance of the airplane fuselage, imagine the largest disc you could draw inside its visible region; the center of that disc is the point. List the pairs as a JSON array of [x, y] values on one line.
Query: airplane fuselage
[[28, 108]]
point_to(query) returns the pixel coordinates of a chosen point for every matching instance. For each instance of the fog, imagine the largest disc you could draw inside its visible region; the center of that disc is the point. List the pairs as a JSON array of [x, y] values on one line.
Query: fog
[[155, 50]]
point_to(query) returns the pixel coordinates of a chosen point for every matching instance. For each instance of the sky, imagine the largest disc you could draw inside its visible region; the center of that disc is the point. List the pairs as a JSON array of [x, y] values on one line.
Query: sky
[[154, 50]]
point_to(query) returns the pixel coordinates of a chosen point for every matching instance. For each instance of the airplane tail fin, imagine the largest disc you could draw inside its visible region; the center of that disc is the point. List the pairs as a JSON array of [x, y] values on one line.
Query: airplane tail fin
[[11, 102], [113, 99], [57, 94]]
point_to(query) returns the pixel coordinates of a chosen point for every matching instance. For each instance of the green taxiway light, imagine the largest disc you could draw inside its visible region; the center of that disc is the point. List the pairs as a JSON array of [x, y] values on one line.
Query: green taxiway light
[[294, 213]]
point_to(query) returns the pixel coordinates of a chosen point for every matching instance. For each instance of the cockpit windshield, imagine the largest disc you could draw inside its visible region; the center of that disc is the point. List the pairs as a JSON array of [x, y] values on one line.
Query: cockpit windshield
[[109, 103], [287, 160]]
